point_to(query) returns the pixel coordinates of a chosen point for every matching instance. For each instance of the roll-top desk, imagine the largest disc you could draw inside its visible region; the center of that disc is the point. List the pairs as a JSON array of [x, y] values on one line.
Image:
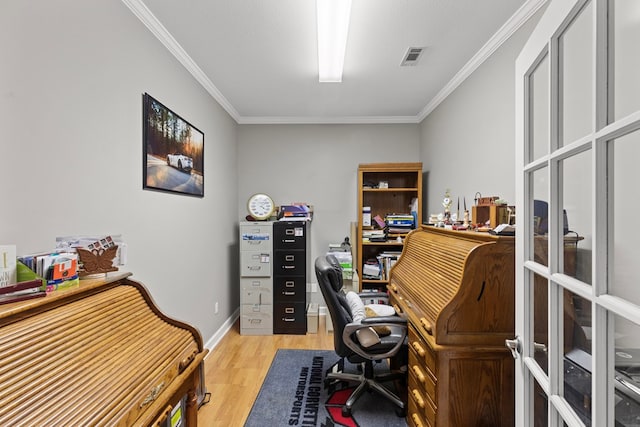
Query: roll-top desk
[[457, 290], [101, 354]]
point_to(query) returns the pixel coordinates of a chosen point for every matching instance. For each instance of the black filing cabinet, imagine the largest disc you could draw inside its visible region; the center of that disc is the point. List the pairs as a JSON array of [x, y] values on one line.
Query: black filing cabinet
[[290, 250]]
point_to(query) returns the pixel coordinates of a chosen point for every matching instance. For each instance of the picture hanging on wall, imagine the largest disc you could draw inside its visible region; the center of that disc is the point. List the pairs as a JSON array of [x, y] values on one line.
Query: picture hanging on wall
[[172, 151]]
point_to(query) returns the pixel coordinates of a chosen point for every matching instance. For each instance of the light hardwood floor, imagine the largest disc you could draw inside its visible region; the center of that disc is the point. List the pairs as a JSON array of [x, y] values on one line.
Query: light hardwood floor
[[235, 369]]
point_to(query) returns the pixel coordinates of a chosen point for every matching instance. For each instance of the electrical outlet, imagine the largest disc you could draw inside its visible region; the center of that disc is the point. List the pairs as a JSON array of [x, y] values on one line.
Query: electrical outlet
[[215, 308]]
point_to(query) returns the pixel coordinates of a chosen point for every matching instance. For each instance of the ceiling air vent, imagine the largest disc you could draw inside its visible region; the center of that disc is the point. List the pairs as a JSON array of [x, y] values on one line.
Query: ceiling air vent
[[412, 56]]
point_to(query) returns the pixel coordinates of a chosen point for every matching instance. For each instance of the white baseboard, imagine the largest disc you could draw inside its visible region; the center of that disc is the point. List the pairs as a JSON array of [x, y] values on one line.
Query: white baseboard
[[215, 339]]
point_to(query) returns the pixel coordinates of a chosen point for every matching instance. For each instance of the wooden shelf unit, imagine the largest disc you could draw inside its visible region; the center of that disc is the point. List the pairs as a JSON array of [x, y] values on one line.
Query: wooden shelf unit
[[404, 182]]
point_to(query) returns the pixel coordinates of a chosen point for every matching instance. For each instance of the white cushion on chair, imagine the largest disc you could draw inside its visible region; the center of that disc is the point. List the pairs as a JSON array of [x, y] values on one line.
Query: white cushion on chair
[[366, 336], [356, 306]]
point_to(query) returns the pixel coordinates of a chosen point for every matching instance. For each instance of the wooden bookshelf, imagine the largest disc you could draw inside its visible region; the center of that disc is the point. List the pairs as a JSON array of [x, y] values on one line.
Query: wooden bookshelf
[[401, 183]]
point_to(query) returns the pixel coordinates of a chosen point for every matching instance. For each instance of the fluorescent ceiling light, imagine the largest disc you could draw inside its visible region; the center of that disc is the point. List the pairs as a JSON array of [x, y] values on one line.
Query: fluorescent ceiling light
[[333, 28]]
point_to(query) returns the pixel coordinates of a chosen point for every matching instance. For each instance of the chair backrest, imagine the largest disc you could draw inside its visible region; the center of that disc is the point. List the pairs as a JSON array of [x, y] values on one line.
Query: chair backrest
[[329, 275]]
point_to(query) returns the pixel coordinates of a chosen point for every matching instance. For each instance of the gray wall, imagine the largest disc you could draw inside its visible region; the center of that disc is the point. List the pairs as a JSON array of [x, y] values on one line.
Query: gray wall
[[467, 142], [71, 84], [317, 164]]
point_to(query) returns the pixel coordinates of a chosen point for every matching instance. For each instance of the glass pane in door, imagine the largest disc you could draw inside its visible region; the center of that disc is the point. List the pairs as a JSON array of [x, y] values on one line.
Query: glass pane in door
[[624, 231], [540, 216], [626, 61], [540, 405], [540, 320], [539, 110], [577, 355], [627, 372], [576, 84], [577, 217]]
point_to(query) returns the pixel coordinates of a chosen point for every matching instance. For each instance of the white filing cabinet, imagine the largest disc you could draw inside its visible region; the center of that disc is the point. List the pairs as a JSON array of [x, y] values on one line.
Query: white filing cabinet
[[256, 282]]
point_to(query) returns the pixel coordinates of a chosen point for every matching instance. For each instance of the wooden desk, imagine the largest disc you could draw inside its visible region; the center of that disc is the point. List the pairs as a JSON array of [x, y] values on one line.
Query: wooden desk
[[457, 291], [98, 354]]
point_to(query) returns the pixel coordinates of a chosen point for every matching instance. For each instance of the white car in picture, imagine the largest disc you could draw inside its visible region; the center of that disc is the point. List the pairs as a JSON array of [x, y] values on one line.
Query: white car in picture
[[180, 161]]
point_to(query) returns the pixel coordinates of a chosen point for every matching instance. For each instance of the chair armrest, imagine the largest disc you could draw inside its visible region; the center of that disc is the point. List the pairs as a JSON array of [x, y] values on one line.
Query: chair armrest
[[351, 328], [387, 320]]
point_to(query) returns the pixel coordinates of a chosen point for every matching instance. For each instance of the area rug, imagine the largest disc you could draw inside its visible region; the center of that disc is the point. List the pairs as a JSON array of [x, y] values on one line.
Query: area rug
[[293, 394]]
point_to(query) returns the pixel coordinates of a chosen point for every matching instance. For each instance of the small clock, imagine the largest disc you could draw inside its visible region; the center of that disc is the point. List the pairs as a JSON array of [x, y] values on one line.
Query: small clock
[[260, 206]]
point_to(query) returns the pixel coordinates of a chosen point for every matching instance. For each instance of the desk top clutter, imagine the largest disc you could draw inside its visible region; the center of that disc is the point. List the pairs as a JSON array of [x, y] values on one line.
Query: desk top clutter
[[37, 275]]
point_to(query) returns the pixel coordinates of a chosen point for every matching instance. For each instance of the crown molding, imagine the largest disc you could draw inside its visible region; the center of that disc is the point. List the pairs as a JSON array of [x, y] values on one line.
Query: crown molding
[[522, 15], [328, 120], [514, 23], [142, 12]]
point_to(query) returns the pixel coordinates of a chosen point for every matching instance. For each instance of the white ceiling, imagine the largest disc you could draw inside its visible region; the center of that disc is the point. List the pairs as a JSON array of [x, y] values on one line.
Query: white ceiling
[[258, 58]]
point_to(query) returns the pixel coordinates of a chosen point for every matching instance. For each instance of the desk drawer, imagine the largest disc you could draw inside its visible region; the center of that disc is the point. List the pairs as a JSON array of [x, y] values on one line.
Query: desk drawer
[[423, 351], [416, 411], [420, 378]]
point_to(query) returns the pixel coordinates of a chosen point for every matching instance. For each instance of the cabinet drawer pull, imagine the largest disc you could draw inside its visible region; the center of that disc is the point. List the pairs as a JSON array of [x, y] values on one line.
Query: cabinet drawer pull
[[289, 257], [416, 396], [418, 373], [416, 420], [397, 308], [288, 293], [426, 325], [418, 348], [393, 287]]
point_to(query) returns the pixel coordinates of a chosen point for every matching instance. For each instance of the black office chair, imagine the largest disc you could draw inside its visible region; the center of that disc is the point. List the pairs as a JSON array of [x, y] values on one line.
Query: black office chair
[[347, 345]]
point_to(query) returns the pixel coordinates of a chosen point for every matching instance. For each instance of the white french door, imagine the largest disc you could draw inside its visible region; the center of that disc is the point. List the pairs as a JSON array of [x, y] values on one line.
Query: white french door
[[578, 217]]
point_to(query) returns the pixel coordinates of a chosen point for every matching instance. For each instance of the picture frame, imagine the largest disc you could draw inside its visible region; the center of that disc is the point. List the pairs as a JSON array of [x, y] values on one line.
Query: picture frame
[[172, 151]]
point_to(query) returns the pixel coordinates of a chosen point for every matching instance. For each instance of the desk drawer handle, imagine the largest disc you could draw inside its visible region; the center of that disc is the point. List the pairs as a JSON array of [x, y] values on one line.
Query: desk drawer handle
[[416, 420], [418, 373], [393, 287], [416, 396], [418, 348], [426, 325]]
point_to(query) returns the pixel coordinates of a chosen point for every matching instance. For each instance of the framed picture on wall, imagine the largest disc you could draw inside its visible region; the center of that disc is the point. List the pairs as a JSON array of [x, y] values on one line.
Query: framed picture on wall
[[172, 151]]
